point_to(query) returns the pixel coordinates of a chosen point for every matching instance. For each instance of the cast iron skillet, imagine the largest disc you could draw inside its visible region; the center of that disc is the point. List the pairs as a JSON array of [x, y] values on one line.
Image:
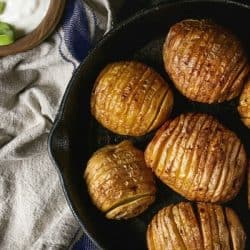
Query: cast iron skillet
[[76, 135]]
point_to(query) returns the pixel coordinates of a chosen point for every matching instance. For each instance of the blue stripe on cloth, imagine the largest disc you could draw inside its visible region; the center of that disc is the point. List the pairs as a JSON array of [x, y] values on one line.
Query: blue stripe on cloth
[[84, 244], [77, 40], [63, 55], [76, 29]]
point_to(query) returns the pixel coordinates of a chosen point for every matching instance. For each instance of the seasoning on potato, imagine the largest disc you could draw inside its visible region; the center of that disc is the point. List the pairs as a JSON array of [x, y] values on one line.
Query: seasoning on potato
[[198, 158], [244, 104], [206, 62], [130, 98], [118, 181], [180, 227]]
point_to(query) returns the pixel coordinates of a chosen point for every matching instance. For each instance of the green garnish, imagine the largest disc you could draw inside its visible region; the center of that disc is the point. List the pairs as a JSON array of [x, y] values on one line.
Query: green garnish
[[7, 34], [2, 7]]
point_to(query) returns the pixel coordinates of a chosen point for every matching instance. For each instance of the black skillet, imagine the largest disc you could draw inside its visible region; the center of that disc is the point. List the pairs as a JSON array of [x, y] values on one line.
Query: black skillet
[[76, 135]]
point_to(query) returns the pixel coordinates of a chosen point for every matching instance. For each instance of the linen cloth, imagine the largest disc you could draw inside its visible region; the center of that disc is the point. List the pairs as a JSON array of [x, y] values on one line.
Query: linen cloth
[[33, 211]]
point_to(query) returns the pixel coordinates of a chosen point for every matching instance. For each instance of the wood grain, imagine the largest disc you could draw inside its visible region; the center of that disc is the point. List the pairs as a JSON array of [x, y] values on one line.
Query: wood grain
[[44, 29]]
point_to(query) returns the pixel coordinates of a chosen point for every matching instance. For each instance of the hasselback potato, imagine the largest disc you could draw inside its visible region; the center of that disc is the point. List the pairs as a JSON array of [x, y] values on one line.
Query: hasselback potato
[[206, 62], [198, 158], [130, 98], [118, 181], [206, 226], [244, 104]]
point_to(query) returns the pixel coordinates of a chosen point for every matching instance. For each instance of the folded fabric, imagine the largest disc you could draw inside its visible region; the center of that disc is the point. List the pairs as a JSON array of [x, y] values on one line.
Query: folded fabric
[[84, 243], [33, 211]]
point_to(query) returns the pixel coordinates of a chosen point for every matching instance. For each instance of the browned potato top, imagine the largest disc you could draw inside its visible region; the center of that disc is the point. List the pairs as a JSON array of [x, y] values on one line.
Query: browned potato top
[[206, 62], [198, 157], [206, 227], [118, 181], [244, 105], [130, 98]]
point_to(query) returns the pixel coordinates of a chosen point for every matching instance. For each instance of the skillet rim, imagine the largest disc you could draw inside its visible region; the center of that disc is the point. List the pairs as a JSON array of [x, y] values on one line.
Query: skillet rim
[[58, 118]]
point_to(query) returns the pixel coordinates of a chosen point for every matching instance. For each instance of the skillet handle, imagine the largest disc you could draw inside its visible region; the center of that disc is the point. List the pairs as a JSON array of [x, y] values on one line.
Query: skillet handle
[[58, 146]]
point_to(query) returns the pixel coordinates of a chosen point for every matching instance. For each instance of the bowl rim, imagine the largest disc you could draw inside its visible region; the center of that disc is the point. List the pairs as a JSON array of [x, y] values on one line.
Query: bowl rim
[[40, 33], [58, 119]]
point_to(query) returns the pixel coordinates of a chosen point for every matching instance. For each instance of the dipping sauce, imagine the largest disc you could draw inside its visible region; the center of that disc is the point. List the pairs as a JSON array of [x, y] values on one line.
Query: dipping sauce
[[24, 15]]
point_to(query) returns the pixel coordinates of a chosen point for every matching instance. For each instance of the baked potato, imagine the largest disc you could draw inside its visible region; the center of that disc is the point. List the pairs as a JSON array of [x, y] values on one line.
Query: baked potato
[[206, 62], [118, 181], [244, 104], [206, 226], [130, 98], [198, 158]]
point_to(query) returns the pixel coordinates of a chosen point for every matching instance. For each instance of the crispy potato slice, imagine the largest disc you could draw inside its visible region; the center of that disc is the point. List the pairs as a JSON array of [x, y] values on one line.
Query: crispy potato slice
[[214, 227], [181, 228], [130, 209], [203, 212], [237, 234], [222, 227], [244, 104], [175, 236], [150, 239], [190, 225], [167, 239], [158, 235]]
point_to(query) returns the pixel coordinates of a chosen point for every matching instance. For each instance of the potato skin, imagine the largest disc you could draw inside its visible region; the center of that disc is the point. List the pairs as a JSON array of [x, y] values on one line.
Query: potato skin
[[118, 181], [244, 104], [206, 62], [198, 158], [130, 98], [179, 227]]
